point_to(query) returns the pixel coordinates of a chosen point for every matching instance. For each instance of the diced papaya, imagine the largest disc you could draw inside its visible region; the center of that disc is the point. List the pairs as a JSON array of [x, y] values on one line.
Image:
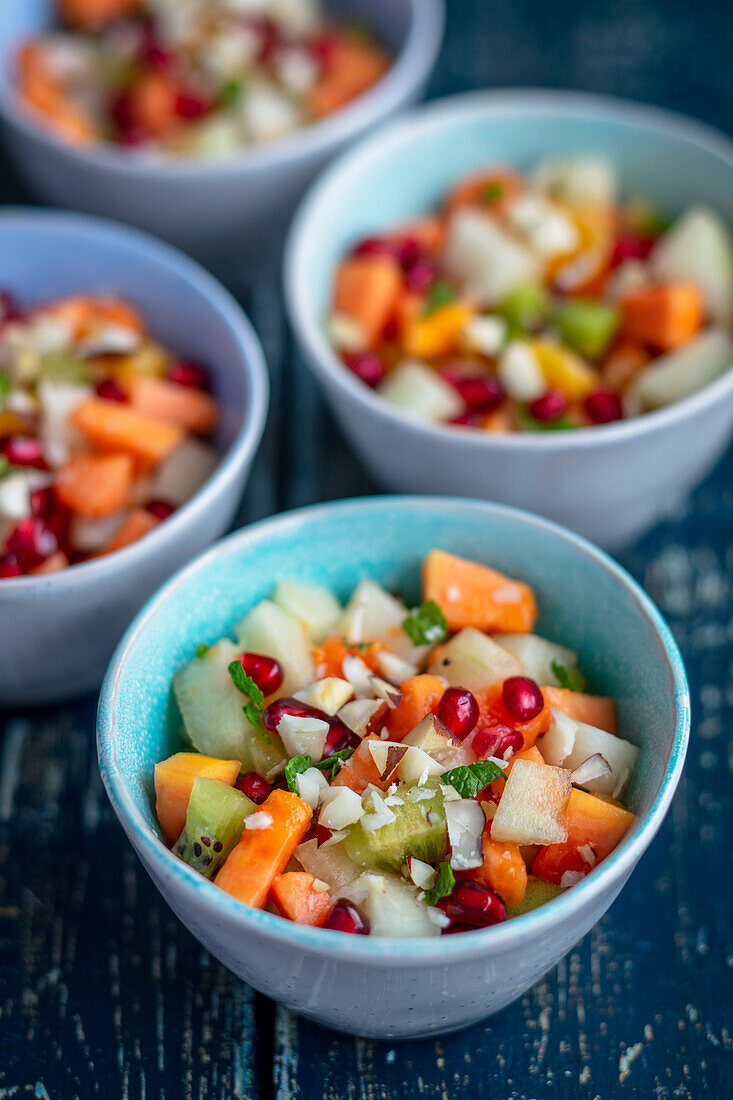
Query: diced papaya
[[470, 594], [296, 897], [585, 270], [493, 189], [41, 88], [112, 426], [174, 782], [503, 869], [499, 421], [53, 564], [92, 14], [95, 485], [595, 825], [360, 771], [263, 853], [594, 710], [663, 316], [351, 67], [154, 104], [492, 712], [420, 697], [328, 657], [83, 313], [623, 362], [140, 522], [184, 406], [368, 291], [438, 333]]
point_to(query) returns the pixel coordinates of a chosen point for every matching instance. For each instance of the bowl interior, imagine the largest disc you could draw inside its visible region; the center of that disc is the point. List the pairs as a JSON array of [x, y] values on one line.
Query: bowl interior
[[406, 171], [43, 256], [586, 602]]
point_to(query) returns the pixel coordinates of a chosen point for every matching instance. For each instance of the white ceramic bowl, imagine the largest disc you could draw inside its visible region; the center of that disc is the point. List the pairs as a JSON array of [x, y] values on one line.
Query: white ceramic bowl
[[58, 631], [240, 202], [608, 483], [393, 988]]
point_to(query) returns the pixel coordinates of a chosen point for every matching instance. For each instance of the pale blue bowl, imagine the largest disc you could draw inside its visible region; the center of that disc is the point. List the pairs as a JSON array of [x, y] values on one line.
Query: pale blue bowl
[[369, 986]]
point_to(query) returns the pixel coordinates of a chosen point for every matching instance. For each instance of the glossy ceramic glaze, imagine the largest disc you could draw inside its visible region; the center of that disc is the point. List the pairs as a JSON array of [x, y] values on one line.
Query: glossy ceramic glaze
[[59, 631], [370, 986], [240, 202], [609, 483]]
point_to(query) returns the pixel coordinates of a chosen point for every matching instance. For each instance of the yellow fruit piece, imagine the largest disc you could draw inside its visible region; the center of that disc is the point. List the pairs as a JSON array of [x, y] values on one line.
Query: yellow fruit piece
[[149, 359], [563, 370], [596, 223], [438, 333]]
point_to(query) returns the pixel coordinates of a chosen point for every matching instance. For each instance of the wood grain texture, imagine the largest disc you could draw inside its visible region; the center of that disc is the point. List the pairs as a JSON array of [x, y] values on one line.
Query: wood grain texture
[[104, 994]]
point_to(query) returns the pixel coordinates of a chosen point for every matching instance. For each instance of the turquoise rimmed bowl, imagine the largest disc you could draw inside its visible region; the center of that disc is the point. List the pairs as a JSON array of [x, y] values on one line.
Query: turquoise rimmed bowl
[[369, 986]]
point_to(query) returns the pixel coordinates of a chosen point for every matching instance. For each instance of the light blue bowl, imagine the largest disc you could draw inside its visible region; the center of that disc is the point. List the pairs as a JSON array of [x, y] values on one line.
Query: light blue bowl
[[64, 627], [370, 986], [608, 483]]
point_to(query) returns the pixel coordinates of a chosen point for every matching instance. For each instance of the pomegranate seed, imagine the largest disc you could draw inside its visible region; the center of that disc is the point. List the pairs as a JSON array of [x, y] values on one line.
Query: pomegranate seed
[[254, 786], [322, 46], [189, 374], [21, 450], [367, 367], [509, 744], [31, 541], [9, 308], [420, 275], [132, 136], [57, 518], [159, 58], [109, 390], [631, 246], [487, 739], [266, 672], [345, 917], [268, 33], [473, 904], [459, 711], [481, 394], [603, 407], [550, 406], [41, 501], [10, 566], [322, 835], [191, 105], [522, 698], [122, 111], [339, 737], [375, 246], [466, 420], [277, 711], [161, 509], [408, 251]]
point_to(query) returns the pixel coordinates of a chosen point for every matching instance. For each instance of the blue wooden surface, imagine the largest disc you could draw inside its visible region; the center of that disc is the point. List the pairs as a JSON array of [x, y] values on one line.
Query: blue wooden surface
[[103, 993]]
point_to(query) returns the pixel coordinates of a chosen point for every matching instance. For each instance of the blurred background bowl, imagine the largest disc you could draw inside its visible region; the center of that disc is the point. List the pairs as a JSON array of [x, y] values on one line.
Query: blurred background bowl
[[609, 483], [241, 202], [60, 630]]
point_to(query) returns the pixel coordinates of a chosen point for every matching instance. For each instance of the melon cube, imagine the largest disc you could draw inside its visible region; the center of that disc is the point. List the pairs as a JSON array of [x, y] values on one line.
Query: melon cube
[[271, 630], [487, 262], [419, 392], [329, 863], [183, 472], [375, 615], [391, 906], [314, 604], [533, 804], [697, 249], [621, 756], [475, 661], [557, 744], [537, 656]]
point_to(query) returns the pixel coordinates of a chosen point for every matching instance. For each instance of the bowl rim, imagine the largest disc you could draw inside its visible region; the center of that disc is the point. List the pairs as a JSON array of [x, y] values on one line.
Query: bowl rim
[[512, 102], [252, 365], [163, 865], [411, 65]]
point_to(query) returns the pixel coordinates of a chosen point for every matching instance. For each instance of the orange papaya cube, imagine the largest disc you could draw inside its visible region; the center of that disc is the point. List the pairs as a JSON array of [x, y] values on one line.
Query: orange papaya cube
[[92, 14], [663, 316], [493, 189], [174, 782], [351, 67], [420, 697], [360, 770], [140, 522], [594, 710], [53, 564], [84, 313], [503, 869], [595, 826], [328, 657], [112, 426], [470, 594], [95, 485], [297, 896], [368, 290], [184, 406]]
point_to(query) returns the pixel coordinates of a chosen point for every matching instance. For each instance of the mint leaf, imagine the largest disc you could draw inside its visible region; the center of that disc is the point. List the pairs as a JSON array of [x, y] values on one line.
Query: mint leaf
[[295, 767], [4, 385], [568, 678], [492, 192], [202, 650], [5, 467], [254, 708], [426, 625], [443, 885], [469, 779], [363, 646], [440, 294], [230, 93], [528, 423], [334, 761]]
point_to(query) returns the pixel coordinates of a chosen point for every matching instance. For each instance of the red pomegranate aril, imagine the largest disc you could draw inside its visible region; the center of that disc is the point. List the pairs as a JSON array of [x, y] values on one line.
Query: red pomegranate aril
[[322, 834], [159, 58], [603, 407], [268, 33], [322, 46], [31, 541], [420, 275], [110, 390], [10, 566], [9, 308], [466, 420], [266, 672], [254, 786], [41, 501], [550, 406], [346, 917], [486, 740], [509, 744], [631, 246], [191, 105], [408, 251], [339, 737], [473, 904], [276, 711], [189, 374], [122, 110], [374, 246], [481, 394], [522, 698], [367, 367], [459, 711], [161, 509], [22, 450]]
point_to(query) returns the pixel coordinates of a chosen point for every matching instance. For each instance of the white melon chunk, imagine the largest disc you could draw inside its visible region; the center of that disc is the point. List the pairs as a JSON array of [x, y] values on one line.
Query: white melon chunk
[[697, 249], [330, 864], [89, 535], [486, 262], [315, 604], [328, 695], [183, 472], [537, 656], [557, 744], [532, 806], [391, 906], [474, 660], [465, 820], [416, 766], [621, 755], [520, 371], [419, 392], [211, 708], [15, 493], [270, 630], [681, 372], [375, 615], [578, 179], [58, 401]]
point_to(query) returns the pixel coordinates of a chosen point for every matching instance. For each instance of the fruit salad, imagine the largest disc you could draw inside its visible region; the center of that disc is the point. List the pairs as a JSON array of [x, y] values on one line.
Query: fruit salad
[[193, 78], [536, 302], [394, 771], [103, 433]]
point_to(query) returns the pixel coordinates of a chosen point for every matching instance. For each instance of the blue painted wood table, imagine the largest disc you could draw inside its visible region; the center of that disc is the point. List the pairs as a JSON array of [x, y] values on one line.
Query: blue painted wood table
[[104, 994]]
